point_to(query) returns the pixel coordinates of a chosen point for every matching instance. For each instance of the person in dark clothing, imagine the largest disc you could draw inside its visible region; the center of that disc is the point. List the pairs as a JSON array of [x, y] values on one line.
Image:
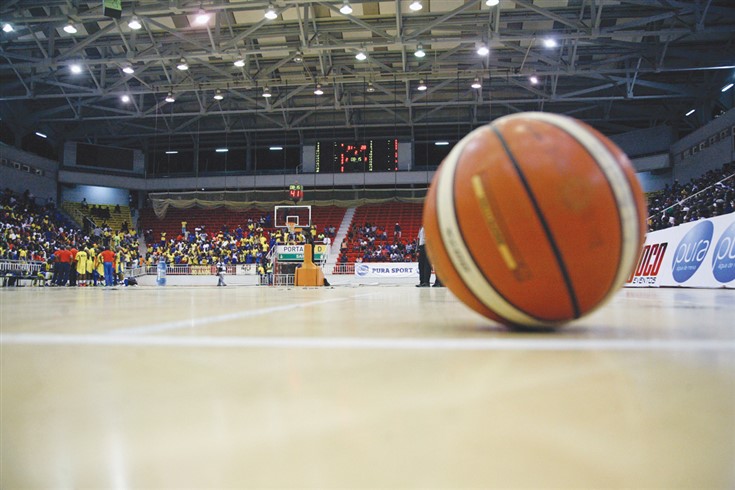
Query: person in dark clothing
[[424, 264]]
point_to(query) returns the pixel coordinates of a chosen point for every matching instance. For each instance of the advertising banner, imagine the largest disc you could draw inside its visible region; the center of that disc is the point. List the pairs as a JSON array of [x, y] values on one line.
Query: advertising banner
[[387, 269], [247, 269], [295, 253], [700, 254]]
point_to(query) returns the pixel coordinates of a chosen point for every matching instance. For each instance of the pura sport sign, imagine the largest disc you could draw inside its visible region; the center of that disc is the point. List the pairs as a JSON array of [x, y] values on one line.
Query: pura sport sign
[[387, 269], [295, 253], [700, 254]]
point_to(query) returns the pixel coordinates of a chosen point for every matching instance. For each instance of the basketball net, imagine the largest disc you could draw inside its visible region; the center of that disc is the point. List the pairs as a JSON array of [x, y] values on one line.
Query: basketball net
[[291, 225]]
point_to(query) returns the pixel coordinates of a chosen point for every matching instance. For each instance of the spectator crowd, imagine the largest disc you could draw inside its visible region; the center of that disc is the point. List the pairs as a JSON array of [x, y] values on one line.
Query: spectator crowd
[[32, 232], [370, 243], [710, 195], [244, 244]]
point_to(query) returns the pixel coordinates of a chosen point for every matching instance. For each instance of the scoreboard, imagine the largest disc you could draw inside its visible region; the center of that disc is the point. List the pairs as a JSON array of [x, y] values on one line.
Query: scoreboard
[[346, 157]]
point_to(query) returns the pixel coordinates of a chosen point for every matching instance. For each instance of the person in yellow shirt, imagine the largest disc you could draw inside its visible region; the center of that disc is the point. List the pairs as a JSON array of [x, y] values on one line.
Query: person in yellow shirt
[[82, 258], [119, 272], [99, 272], [90, 263]]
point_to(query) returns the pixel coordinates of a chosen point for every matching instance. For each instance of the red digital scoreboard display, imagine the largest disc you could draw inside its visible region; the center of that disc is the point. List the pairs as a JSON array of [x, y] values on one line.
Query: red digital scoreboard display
[[352, 157], [296, 192], [371, 156]]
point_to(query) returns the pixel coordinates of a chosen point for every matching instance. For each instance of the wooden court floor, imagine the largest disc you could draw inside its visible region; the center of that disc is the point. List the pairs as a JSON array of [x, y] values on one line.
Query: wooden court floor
[[360, 387]]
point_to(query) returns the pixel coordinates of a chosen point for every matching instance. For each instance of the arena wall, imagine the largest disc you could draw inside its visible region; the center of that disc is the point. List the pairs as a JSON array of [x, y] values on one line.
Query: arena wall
[[20, 170], [707, 148], [95, 195], [645, 142], [309, 181]]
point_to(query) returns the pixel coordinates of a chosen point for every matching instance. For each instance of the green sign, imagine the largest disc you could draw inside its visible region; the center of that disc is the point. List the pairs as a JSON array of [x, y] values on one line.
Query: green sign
[[295, 253], [112, 8]]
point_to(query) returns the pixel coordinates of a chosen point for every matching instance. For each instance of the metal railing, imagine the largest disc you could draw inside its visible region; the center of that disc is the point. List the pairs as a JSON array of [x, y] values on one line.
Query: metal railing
[[135, 271], [190, 270], [280, 279], [23, 267], [344, 269]]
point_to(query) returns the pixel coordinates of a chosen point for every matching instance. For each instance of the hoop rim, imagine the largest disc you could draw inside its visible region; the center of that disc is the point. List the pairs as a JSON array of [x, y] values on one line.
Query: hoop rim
[[293, 227]]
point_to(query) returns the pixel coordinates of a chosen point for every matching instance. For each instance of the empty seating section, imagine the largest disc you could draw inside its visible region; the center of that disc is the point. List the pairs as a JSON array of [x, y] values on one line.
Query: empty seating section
[[325, 216], [215, 219], [384, 217]]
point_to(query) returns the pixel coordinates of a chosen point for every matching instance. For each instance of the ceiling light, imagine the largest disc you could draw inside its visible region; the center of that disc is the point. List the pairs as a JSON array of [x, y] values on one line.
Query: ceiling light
[[361, 56], [476, 83], [134, 23], [483, 50], [550, 42], [170, 98], [128, 69], [318, 90], [533, 79], [266, 92], [201, 18], [69, 27], [492, 3], [41, 135], [422, 86], [218, 95], [172, 152], [370, 87], [298, 57], [221, 150], [419, 53], [275, 148], [76, 68], [727, 87], [416, 5], [125, 98], [7, 27], [270, 13], [690, 112], [183, 66], [239, 63], [346, 9], [441, 143]]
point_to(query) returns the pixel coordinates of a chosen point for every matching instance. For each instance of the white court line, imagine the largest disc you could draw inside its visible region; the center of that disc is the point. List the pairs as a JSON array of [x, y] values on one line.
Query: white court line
[[198, 322], [349, 343]]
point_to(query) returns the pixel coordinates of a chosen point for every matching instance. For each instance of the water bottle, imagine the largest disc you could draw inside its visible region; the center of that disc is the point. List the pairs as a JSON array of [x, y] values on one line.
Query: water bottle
[[161, 275]]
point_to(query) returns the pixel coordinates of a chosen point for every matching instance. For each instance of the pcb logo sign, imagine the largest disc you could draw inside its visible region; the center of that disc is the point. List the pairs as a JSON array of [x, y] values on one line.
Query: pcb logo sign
[[723, 258], [691, 251], [649, 264], [362, 269]]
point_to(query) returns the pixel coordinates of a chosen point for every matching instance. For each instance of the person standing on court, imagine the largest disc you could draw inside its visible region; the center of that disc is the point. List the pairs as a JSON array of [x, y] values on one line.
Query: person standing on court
[[81, 266], [73, 267], [64, 265], [424, 265], [221, 273], [108, 258]]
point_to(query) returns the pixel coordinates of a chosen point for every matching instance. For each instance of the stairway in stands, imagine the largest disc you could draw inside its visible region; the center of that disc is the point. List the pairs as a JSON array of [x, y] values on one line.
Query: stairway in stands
[[342, 230]]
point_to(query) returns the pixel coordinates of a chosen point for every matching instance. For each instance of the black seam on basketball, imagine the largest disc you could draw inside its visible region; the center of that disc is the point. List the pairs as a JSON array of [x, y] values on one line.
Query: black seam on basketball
[[621, 228], [544, 224], [472, 256]]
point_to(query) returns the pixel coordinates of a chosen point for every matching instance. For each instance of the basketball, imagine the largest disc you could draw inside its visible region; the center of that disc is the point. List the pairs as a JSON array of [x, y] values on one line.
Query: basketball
[[534, 220]]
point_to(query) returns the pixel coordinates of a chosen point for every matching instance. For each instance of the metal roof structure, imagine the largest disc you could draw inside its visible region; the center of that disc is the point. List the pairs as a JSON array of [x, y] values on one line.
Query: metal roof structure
[[619, 65]]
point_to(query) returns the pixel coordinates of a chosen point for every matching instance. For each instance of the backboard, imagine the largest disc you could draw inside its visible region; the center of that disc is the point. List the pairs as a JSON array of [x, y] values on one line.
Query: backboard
[[301, 215]]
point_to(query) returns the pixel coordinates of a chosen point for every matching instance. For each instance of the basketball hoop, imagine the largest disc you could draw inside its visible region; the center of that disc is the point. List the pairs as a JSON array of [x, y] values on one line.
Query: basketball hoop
[[291, 225]]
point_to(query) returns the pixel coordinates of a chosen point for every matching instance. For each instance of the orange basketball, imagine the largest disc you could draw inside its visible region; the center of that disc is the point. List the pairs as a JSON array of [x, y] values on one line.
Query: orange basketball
[[534, 220]]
